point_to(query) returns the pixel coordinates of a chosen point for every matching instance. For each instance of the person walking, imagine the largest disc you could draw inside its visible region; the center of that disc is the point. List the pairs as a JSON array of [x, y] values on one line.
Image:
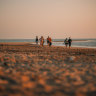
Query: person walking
[[50, 41], [66, 42], [42, 41], [36, 40], [69, 42]]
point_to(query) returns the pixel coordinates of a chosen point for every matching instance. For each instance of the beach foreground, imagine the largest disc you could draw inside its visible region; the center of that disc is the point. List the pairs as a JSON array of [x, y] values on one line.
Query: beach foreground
[[31, 70]]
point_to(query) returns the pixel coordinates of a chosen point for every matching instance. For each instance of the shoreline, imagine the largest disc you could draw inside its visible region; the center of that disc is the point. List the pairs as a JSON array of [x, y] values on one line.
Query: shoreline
[[82, 43], [29, 43]]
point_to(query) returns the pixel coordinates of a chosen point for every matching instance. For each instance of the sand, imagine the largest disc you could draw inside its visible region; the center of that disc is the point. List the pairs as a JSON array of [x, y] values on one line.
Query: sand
[[32, 70]]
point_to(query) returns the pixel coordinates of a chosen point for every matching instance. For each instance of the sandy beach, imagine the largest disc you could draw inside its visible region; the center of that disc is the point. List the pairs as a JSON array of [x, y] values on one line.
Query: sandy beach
[[32, 70]]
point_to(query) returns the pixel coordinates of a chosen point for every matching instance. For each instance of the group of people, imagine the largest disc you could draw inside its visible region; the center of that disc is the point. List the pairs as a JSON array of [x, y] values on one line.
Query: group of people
[[49, 41], [68, 42]]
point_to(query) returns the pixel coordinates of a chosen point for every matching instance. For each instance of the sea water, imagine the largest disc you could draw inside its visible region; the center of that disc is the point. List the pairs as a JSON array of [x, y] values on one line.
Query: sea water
[[87, 43]]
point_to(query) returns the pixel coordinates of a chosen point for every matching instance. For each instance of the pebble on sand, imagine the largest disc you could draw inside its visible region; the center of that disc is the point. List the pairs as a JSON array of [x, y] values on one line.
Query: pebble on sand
[[71, 59]]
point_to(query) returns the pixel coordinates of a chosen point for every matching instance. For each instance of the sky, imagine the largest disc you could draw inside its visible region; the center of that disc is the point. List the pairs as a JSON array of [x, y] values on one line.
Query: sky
[[26, 19]]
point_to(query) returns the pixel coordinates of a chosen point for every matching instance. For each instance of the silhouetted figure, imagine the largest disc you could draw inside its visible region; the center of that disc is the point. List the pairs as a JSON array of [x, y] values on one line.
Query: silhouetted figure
[[69, 42], [36, 40], [66, 42], [48, 41]]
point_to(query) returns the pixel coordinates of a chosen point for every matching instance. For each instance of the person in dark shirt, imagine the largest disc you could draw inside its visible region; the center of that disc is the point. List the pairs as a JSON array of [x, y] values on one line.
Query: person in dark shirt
[[48, 41], [69, 42], [36, 40]]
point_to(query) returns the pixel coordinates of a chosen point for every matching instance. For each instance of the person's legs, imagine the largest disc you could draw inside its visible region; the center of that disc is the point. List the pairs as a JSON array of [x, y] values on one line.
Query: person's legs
[[36, 42], [66, 45], [69, 45], [50, 43]]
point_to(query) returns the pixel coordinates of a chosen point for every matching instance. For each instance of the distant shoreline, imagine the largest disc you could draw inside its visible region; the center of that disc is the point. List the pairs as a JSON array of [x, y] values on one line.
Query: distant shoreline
[[72, 40], [28, 43], [82, 43], [54, 40]]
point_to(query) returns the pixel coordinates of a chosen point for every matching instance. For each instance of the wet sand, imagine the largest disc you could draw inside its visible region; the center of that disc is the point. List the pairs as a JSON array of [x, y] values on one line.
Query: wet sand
[[31, 70]]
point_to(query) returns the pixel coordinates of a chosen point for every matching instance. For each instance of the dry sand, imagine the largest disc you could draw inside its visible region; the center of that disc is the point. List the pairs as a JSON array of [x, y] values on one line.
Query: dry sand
[[31, 70]]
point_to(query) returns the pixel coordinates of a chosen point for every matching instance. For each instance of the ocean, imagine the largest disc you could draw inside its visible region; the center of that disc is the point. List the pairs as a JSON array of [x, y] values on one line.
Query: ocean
[[87, 43]]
